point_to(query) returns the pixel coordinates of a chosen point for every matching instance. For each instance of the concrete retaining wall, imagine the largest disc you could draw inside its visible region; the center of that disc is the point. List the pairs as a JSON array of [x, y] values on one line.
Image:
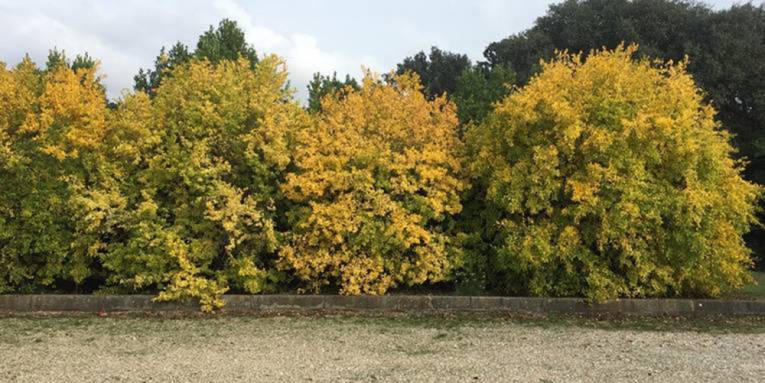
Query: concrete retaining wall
[[411, 303]]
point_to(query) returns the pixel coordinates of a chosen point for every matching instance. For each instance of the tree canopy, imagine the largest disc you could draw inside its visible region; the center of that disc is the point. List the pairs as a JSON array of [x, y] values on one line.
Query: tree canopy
[[377, 179], [725, 49], [438, 70], [200, 216], [322, 86], [609, 177], [224, 42]]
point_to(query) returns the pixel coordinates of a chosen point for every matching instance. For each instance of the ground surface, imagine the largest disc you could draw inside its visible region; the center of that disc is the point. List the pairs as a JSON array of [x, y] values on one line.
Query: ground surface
[[394, 347], [754, 290]]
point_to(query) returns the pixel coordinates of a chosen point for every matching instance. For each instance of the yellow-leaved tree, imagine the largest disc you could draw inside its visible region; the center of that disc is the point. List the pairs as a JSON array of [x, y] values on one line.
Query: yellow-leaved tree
[[377, 179], [52, 125], [203, 162], [612, 178]]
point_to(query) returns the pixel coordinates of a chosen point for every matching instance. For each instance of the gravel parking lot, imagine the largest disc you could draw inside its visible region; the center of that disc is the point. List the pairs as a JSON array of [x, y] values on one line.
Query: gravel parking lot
[[393, 347]]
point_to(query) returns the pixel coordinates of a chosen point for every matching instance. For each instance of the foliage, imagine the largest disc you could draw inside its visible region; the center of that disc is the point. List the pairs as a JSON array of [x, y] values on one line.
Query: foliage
[[207, 156], [611, 178], [473, 88], [668, 29], [726, 50], [58, 57], [52, 125], [437, 70], [226, 42], [377, 178], [321, 86], [603, 176], [148, 80], [478, 88]]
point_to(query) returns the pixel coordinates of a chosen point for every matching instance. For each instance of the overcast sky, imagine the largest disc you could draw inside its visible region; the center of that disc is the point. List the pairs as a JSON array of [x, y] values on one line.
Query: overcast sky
[[313, 35]]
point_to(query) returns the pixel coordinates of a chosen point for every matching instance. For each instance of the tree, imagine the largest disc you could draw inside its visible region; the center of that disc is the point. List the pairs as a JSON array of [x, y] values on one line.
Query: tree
[[202, 205], [52, 127], [611, 178], [83, 61], [473, 88], [226, 42], [148, 80], [726, 50], [668, 29], [522, 53], [377, 177], [58, 57], [478, 88], [321, 86], [732, 71], [437, 70]]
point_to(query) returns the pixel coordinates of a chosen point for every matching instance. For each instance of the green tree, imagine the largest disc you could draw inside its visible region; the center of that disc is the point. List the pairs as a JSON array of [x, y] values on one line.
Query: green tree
[[226, 42], [58, 57], [667, 29], [732, 71], [321, 86], [438, 70], [148, 80], [521, 52], [478, 88]]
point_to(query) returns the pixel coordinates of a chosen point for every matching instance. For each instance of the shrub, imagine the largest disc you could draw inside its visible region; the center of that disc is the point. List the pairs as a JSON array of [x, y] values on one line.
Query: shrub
[[376, 181], [207, 157], [51, 128], [611, 178]]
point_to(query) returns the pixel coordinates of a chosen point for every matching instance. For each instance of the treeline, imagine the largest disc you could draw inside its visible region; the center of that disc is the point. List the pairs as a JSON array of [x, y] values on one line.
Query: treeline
[[603, 174]]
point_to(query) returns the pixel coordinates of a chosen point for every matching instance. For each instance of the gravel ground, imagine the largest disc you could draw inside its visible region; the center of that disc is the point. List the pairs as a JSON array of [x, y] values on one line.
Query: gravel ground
[[394, 347]]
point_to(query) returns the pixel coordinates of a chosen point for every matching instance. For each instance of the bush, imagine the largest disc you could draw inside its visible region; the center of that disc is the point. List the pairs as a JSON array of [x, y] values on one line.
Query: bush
[[52, 124], [376, 182], [203, 161], [611, 178]]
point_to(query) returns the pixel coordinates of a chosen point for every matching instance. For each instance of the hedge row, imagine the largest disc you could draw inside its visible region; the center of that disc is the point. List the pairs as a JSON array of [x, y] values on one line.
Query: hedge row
[[605, 178]]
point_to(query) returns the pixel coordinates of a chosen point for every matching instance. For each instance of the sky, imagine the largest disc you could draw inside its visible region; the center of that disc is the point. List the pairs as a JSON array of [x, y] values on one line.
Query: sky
[[312, 35]]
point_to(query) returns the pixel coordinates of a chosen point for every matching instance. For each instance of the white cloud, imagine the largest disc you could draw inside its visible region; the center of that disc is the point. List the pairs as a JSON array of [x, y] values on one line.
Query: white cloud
[[38, 33], [127, 36], [304, 57], [301, 50], [262, 37]]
